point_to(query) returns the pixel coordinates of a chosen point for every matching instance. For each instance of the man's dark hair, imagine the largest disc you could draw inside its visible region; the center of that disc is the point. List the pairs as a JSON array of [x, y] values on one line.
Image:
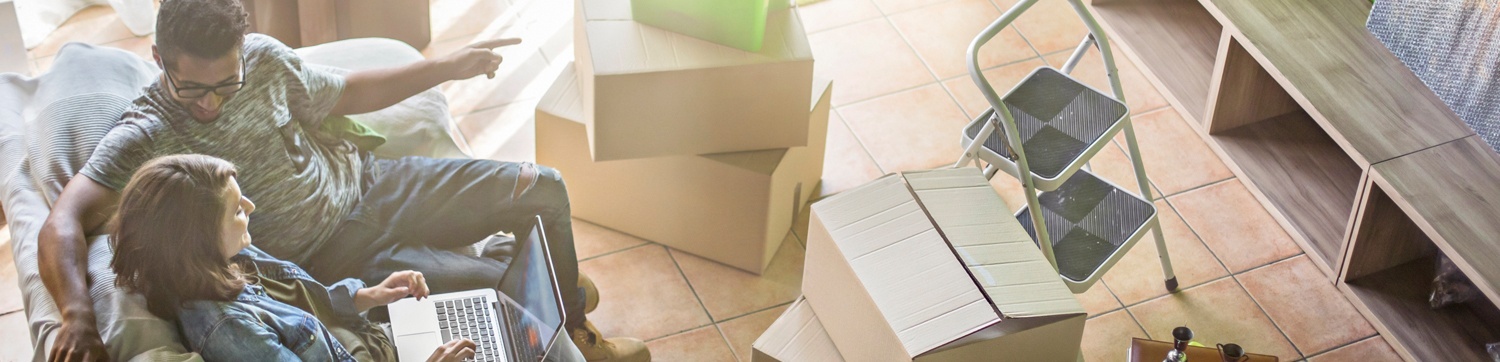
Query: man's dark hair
[[202, 28]]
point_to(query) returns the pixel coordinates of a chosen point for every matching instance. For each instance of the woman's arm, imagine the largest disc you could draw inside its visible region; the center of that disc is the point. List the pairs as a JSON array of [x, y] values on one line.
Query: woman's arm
[[243, 339], [344, 296], [399, 285]]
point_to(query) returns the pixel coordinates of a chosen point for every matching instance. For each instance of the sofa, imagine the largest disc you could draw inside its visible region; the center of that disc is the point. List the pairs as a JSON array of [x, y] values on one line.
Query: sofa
[[50, 124]]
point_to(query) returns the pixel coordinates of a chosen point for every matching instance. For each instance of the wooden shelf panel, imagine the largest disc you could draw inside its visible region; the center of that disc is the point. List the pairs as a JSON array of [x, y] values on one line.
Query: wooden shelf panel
[[1321, 51], [1243, 92], [1383, 237], [1304, 176], [1395, 300], [1176, 40]]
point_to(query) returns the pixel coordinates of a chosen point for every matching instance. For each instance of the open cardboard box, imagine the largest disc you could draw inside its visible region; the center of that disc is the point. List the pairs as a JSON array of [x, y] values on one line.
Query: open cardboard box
[[797, 335], [932, 266], [649, 92], [733, 208]]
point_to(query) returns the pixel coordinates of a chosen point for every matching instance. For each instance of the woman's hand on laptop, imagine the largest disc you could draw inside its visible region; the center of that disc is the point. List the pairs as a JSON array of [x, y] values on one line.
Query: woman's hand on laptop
[[453, 351], [399, 285]]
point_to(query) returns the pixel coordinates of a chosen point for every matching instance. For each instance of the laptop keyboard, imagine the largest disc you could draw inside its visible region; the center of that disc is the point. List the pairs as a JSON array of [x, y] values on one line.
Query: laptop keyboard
[[523, 337], [470, 318]]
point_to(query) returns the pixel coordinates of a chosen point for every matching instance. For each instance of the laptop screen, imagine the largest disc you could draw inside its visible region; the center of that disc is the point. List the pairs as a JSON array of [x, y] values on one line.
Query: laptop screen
[[531, 275]]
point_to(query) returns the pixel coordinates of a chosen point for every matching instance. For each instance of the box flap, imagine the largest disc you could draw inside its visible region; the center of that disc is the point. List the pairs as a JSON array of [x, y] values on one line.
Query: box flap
[[1001, 255], [622, 46], [798, 335], [927, 297], [563, 98]]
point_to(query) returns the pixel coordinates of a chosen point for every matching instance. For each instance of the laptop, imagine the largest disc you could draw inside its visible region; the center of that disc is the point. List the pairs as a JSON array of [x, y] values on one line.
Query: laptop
[[504, 329]]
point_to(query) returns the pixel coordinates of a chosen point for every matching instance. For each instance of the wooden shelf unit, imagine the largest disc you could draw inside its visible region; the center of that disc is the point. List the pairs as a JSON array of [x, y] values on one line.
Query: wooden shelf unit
[[1184, 39], [1366, 169]]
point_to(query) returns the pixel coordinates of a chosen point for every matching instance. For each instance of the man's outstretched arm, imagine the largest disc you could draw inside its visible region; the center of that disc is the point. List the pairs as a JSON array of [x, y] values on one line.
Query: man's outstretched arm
[[62, 251], [372, 90]]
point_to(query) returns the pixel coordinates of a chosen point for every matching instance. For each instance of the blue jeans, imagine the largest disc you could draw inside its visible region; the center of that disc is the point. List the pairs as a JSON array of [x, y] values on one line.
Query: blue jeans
[[415, 210]]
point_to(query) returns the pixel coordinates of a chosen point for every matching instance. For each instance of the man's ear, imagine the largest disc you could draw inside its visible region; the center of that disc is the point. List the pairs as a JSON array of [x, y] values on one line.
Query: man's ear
[[157, 56]]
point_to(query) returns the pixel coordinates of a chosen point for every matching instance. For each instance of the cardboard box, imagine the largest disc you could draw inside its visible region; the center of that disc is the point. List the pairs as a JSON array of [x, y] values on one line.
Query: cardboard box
[[736, 23], [734, 208], [12, 48], [932, 266], [304, 23], [796, 336], [649, 92]]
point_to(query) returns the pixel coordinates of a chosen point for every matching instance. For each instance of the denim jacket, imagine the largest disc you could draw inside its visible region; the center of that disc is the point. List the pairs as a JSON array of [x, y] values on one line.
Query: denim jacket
[[256, 327]]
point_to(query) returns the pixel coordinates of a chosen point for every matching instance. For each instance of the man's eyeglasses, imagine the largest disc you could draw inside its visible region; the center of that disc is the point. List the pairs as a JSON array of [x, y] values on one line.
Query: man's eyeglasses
[[225, 89]]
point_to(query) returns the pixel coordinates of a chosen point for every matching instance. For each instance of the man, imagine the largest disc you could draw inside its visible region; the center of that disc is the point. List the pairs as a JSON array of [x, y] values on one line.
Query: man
[[325, 205]]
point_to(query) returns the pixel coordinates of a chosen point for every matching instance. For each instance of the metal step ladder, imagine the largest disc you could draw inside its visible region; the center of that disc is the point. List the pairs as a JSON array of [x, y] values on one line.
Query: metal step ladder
[[1043, 132]]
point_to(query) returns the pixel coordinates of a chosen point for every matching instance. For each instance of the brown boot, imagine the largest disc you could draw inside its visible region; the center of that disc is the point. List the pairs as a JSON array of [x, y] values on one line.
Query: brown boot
[[596, 348], [590, 293]]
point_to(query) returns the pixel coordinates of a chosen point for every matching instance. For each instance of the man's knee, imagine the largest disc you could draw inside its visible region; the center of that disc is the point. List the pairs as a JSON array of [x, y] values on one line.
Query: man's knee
[[539, 181]]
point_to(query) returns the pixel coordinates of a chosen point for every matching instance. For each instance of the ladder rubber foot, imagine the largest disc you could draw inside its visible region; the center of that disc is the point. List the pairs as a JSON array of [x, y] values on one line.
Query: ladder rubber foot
[[1172, 285]]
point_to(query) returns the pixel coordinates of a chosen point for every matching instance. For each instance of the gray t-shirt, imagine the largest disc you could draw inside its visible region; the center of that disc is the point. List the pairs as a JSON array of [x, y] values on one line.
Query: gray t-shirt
[[302, 188]]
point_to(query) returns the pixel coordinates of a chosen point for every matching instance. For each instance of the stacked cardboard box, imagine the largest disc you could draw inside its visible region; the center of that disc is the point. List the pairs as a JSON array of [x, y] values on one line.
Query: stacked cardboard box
[[930, 266], [12, 49], [649, 92], [734, 208], [705, 148]]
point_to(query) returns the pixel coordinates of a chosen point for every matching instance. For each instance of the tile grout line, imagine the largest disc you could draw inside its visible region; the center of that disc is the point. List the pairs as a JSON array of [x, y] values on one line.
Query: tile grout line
[[925, 64], [779, 305], [1196, 235], [1341, 346], [1111, 296], [939, 83], [1016, 27], [1180, 289], [859, 142], [732, 353], [1203, 186], [1268, 317], [677, 265], [1277, 261], [618, 251]]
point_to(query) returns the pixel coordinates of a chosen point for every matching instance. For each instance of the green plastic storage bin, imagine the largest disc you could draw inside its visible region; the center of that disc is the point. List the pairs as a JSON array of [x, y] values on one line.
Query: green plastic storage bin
[[736, 23]]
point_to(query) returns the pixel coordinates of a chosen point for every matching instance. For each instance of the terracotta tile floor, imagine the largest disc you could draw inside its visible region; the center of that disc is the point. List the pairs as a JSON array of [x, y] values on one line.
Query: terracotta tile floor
[[901, 95]]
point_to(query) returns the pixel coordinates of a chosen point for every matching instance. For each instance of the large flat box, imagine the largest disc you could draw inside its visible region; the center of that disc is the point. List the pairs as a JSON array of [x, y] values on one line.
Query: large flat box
[[733, 208], [932, 266], [12, 48], [649, 92], [796, 336]]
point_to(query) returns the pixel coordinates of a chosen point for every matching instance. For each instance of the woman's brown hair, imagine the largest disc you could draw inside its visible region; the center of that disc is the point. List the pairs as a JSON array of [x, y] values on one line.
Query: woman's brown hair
[[166, 234]]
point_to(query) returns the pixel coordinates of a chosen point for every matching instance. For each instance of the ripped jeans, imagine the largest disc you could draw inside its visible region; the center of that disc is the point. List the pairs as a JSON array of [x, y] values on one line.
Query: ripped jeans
[[416, 211]]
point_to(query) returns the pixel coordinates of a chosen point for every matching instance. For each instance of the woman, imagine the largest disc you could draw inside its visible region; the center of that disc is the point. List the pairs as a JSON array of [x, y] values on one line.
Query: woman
[[180, 239]]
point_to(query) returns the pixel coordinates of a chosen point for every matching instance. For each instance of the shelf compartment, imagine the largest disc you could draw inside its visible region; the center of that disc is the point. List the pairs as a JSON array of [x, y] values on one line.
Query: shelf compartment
[[1252, 95], [1175, 40], [1417, 206], [1395, 301], [1307, 181]]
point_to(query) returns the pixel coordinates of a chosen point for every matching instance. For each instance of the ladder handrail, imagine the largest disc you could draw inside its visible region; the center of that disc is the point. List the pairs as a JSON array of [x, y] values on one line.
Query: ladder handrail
[[1009, 123]]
